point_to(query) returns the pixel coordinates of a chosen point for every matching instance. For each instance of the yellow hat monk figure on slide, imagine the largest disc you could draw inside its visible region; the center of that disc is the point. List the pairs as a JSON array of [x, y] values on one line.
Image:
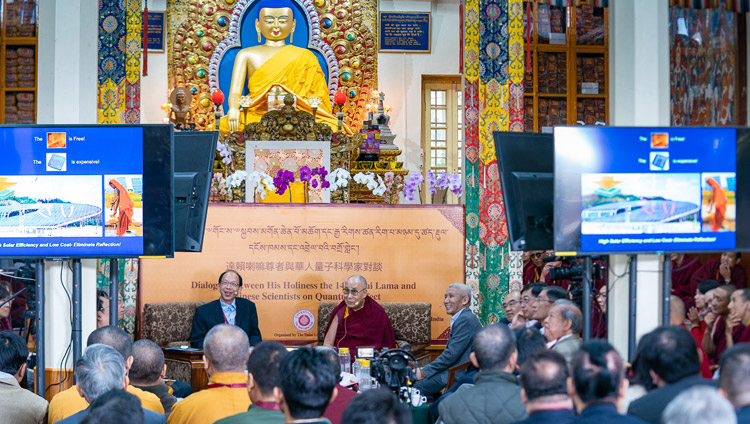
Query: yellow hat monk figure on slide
[[275, 63]]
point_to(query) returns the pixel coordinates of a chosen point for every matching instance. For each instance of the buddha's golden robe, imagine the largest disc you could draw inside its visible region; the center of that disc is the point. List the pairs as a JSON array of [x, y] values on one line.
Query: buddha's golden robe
[[298, 72]]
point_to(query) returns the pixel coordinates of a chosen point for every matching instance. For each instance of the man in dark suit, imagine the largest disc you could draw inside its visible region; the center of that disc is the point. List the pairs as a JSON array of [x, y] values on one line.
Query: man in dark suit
[[544, 378], [599, 384], [100, 370], [734, 380], [671, 357], [464, 325], [228, 309]]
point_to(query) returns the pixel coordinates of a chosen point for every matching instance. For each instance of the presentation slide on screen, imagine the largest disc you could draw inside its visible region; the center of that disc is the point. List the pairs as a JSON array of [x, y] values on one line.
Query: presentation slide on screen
[[651, 191], [74, 191]]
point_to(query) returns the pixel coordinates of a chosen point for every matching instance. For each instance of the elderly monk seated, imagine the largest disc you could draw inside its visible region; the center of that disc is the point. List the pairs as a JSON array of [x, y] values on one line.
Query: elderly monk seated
[[226, 352], [359, 320]]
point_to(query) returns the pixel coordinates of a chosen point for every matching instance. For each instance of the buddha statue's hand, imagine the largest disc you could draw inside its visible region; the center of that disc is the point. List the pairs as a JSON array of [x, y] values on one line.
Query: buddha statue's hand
[[233, 119]]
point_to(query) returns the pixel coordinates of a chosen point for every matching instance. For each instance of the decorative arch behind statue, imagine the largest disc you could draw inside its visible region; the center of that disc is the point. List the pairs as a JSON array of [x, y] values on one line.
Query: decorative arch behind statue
[[195, 31]]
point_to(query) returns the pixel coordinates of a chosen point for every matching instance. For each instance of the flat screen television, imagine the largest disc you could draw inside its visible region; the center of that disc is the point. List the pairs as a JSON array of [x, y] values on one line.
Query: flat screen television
[[194, 153], [86, 191], [647, 190], [526, 163]]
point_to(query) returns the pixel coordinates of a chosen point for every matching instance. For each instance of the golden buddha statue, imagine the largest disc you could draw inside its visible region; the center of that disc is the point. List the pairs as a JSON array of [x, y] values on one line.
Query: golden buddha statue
[[275, 64]]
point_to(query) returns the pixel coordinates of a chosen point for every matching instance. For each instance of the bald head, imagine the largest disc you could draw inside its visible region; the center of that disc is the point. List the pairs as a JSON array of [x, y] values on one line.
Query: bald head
[[112, 336], [227, 348], [677, 312], [544, 377], [356, 282]]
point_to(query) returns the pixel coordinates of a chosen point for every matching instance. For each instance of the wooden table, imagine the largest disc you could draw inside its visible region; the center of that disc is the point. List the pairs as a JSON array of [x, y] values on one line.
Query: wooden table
[[198, 376]]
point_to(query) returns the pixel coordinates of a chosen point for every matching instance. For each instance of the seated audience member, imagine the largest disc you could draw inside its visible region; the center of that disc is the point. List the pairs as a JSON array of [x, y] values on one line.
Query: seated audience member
[[640, 374], [359, 320], [532, 270], [307, 385], [17, 404], [734, 380], [699, 405], [547, 297], [226, 352], [5, 323], [544, 378], [725, 270], [599, 384], [227, 309], [599, 313], [715, 337], [702, 298], [336, 407], [70, 401], [739, 315], [683, 268], [671, 357], [676, 311], [148, 371], [102, 309], [262, 378], [523, 318], [511, 306], [115, 407], [377, 407], [562, 328], [463, 326], [100, 369], [495, 396], [529, 342]]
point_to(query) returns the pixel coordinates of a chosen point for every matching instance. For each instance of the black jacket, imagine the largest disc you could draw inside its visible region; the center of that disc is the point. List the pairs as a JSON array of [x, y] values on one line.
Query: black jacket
[[210, 314], [650, 407]]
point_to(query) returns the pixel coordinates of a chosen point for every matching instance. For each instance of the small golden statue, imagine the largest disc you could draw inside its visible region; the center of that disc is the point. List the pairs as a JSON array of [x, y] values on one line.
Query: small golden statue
[[180, 114]]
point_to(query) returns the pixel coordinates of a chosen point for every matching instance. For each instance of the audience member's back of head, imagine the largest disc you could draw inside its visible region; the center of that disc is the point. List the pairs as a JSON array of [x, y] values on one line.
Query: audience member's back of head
[[734, 376], [529, 342], [493, 346], [641, 372], [226, 347], [264, 364], [332, 356], [598, 372], [699, 405], [115, 407], [544, 376], [148, 362], [555, 293], [306, 382], [13, 352], [100, 369], [671, 353], [113, 336], [535, 288], [376, 407]]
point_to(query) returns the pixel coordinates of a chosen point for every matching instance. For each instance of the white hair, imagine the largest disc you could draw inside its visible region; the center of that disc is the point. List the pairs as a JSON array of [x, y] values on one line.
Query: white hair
[[99, 370], [699, 405], [462, 288]]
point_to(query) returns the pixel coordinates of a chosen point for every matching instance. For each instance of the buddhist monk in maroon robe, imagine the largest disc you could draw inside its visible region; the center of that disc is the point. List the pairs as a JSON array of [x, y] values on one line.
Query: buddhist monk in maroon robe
[[124, 206], [683, 268], [715, 339], [359, 320], [725, 270], [739, 316], [532, 271]]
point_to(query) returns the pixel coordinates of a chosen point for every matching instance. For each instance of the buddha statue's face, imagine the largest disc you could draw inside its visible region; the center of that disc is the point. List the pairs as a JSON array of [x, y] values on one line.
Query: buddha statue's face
[[275, 24]]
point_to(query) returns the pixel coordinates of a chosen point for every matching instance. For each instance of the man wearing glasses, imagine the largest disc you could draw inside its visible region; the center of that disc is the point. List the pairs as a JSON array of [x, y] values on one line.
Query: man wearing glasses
[[227, 309], [359, 320]]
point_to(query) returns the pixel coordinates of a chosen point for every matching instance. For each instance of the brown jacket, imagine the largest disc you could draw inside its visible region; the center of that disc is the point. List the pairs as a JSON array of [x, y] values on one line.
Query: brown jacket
[[20, 406]]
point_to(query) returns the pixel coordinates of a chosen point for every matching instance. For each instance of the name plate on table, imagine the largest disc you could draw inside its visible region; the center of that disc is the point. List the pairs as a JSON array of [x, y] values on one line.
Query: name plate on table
[[405, 32], [293, 257]]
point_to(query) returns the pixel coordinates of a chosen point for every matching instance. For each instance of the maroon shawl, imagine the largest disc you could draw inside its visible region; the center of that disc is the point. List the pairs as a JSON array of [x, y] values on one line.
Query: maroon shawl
[[681, 276], [369, 326], [710, 271], [720, 339], [531, 273]]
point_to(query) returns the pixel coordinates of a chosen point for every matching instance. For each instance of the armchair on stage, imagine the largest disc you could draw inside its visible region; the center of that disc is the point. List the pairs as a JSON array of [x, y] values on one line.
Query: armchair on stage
[[411, 322]]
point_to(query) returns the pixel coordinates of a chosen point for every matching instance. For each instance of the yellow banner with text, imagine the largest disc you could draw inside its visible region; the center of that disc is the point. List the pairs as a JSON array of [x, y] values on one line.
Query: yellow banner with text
[[292, 257]]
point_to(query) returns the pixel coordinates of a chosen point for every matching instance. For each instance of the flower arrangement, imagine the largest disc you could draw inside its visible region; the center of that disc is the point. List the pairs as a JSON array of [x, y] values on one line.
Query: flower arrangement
[[218, 185], [225, 153], [308, 175], [260, 183], [338, 178], [236, 179], [282, 180], [392, 186], [411, 186]]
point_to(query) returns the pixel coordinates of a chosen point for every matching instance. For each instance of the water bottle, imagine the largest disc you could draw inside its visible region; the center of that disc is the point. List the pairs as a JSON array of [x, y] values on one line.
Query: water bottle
[[345, 359], [356, 369], [365, 380]]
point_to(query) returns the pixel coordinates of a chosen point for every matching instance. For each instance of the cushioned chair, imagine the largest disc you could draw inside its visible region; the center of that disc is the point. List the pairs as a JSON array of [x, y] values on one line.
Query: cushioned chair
[[412, 324], [168, 324]]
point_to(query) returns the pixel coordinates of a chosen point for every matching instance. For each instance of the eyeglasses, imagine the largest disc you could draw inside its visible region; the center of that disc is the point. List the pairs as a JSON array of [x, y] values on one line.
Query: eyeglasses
[[537, 255], [527, 300], [353, 292], [541, 299], [229, 284]]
